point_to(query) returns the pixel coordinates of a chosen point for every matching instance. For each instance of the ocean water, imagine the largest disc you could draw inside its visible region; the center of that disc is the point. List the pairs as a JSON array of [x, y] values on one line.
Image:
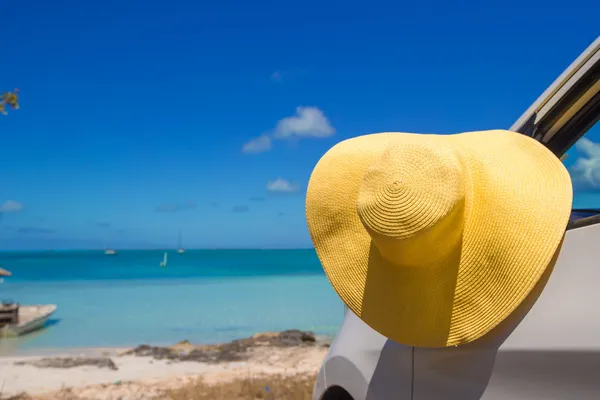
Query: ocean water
[[204, 296]]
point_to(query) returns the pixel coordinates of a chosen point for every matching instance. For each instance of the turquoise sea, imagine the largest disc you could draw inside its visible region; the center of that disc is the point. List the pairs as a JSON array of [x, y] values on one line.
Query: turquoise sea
[[204, 296]]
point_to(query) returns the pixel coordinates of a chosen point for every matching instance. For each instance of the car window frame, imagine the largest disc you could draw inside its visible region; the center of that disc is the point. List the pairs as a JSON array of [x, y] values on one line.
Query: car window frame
[[566, 111], [560, 103]]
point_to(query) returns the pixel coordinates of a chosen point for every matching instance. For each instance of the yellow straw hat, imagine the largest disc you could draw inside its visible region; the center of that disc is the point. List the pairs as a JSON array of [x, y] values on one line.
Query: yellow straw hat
[[433, 240]]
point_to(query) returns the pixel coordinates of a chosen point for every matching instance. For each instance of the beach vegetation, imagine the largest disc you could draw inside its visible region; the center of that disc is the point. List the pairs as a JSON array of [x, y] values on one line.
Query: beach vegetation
[[294, 387], [10, 100]]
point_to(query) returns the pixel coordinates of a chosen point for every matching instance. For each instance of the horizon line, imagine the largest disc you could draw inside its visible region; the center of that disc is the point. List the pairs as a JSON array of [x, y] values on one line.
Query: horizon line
[[159, 248]]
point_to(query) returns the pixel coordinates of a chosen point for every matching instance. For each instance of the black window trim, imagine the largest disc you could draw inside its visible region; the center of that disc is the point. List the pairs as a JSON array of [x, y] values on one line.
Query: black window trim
[[581, 122], [581, 222], [572, 82]]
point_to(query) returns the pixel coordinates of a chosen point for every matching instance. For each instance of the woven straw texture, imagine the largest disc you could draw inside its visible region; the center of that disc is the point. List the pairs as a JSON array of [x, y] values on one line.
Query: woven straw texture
[[433, 240]]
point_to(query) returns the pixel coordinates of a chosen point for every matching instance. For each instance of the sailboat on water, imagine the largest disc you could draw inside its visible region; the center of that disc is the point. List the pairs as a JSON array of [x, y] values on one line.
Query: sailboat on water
[[180, 249], [163, 263]]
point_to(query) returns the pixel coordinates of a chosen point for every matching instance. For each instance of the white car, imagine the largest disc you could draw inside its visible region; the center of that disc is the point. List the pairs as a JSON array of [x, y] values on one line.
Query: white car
[[549, 348]]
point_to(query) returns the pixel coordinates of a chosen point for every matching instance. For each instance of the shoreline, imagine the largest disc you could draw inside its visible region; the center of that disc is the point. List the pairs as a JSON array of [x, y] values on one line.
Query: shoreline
[[127, 374], [88, 351]]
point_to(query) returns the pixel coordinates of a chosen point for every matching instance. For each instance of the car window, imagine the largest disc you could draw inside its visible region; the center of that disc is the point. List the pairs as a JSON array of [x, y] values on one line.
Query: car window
[[583, 163]]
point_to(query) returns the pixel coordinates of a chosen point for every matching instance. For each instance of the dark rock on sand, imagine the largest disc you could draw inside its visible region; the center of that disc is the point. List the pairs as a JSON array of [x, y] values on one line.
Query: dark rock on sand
[[71, 362], [236, 350]]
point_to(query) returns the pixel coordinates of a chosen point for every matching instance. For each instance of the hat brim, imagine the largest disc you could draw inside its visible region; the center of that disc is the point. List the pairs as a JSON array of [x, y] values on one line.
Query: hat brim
[[517, 207]]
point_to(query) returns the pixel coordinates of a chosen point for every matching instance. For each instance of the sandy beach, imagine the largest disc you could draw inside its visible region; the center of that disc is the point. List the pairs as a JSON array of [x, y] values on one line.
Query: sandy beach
[[149, 372]]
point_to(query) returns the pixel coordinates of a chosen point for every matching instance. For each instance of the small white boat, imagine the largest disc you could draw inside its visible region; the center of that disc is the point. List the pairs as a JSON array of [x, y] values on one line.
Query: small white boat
[[163, 263], [29, 318], [110, 252], [180, 249]]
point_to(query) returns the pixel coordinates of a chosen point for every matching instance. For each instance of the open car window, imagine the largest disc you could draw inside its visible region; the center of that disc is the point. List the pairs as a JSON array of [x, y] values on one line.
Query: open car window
[[565, 119], [583, 163]]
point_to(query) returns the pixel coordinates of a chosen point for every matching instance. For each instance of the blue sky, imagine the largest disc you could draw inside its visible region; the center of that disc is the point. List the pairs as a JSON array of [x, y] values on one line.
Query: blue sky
[[142, 118]]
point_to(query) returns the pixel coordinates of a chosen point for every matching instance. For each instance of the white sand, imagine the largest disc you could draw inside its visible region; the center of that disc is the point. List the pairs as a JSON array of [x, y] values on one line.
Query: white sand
[[144, 377]]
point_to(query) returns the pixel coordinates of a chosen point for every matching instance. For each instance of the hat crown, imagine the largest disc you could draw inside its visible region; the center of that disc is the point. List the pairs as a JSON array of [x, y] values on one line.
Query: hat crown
[[411, 202]]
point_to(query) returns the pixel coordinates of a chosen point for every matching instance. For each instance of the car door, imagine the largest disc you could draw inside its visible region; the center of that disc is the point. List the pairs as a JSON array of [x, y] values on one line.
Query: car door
[[549, 348]]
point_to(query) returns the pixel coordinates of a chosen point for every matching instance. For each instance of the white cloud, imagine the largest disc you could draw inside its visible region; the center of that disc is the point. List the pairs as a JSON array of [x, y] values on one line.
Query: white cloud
[[258, 145], [10, 206], [585, 173], [281, 185], [308, 122]]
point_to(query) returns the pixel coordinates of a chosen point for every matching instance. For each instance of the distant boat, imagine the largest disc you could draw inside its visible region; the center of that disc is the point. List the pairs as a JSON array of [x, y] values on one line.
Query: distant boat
[[163, 263], [18, 320], [180, 249], [110, 252]]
